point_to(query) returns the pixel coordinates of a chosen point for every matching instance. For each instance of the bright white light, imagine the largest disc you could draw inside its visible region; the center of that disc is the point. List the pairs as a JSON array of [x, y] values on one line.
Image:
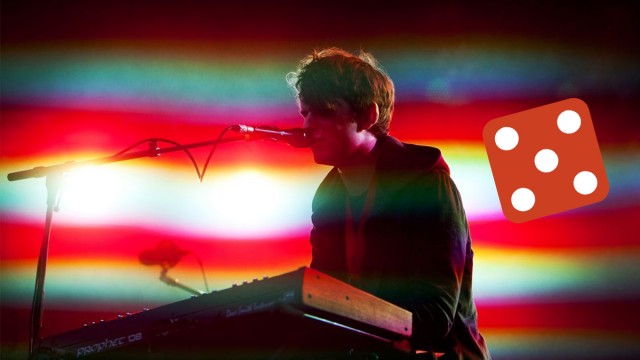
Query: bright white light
[[240, 204], [89, 194], [248, 203]]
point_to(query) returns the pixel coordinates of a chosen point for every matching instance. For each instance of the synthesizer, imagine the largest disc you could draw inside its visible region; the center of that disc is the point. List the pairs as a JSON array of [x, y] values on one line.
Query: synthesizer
[[300, 311]]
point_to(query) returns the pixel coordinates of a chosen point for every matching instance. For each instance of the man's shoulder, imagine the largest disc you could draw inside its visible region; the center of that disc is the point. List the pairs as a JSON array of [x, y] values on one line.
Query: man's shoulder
[[400, 157]]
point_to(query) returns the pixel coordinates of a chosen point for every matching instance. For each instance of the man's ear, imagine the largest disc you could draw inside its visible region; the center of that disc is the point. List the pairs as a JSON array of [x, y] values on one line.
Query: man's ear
[[369, 117]]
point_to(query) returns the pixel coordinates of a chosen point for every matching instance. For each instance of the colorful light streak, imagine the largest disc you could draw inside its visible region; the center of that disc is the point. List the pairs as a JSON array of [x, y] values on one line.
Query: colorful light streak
[[135, 80], [558, 288], [517, 343], [503, 276], [454, 72], [274, 201], [508, 275], [236, 202]]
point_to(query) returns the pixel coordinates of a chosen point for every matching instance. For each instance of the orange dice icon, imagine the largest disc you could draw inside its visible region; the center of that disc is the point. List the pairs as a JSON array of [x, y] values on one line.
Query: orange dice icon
[[545, 160]]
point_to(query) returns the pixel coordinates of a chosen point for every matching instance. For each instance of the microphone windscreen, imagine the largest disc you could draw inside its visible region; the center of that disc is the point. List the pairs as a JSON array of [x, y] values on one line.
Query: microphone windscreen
[[165, 254]]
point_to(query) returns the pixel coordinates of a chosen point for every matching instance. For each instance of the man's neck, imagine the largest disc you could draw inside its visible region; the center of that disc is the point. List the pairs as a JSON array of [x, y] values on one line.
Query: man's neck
[[358, 172]]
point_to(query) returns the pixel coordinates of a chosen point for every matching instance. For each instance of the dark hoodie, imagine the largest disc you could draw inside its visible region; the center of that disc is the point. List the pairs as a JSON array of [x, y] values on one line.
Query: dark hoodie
[[417, 246]]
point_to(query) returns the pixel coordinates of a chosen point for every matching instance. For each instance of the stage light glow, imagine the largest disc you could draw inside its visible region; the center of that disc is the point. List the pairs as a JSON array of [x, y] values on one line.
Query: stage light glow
[[90, 193], [248, 202]]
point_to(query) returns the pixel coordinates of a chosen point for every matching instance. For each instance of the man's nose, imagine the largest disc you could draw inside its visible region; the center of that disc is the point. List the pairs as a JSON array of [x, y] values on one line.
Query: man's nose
[[307, 122], [309, 125]]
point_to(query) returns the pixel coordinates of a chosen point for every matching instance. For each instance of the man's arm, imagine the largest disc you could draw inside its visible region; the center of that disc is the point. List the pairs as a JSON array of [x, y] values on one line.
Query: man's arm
[[438, 243]]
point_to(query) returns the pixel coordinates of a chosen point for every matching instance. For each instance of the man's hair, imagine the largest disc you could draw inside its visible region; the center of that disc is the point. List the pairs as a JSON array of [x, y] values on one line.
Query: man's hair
[[328, 75]]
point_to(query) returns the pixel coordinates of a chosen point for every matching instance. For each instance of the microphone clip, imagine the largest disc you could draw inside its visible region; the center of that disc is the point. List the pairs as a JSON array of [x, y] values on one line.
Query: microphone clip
[[296, 137]]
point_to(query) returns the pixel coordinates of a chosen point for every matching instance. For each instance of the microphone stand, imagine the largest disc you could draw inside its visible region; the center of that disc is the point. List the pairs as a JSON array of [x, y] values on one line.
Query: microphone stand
[[53, 184], [174, 282], [53, 176]]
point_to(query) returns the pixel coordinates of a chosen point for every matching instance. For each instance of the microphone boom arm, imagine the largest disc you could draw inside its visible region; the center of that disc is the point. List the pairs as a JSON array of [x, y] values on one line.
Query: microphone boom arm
[[153, 151]]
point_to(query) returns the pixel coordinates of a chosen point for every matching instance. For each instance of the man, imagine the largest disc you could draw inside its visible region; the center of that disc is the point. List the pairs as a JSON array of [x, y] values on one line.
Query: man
[[387, 218]]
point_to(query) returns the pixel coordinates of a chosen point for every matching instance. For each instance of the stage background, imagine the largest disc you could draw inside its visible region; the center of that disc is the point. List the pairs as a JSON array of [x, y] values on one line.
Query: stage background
[[82, 80]]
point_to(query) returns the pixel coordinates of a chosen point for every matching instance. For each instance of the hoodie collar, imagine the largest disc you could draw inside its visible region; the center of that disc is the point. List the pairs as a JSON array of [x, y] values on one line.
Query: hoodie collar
[[399, 163]]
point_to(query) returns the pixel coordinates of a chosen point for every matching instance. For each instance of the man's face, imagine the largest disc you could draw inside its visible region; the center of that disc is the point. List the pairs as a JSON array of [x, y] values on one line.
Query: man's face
[[333, 133]]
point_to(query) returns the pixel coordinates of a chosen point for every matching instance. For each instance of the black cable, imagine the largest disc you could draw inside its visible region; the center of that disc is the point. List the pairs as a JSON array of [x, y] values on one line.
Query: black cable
[[213, 149], [193, 160], [135, 144], [204, 275]]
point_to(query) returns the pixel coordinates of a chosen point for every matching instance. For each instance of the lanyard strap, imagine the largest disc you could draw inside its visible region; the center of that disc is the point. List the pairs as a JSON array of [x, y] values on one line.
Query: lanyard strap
[[354, 238]]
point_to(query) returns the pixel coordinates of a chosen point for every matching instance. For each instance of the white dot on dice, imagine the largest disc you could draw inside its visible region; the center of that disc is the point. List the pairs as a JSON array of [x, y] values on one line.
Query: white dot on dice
[[546, 160], [507, 138], [523, 199], [585, 182], [569, 121]]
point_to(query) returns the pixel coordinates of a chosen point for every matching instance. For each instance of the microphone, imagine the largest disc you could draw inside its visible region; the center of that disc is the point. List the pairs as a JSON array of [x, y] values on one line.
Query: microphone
[[295, 137], [166, 254]]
